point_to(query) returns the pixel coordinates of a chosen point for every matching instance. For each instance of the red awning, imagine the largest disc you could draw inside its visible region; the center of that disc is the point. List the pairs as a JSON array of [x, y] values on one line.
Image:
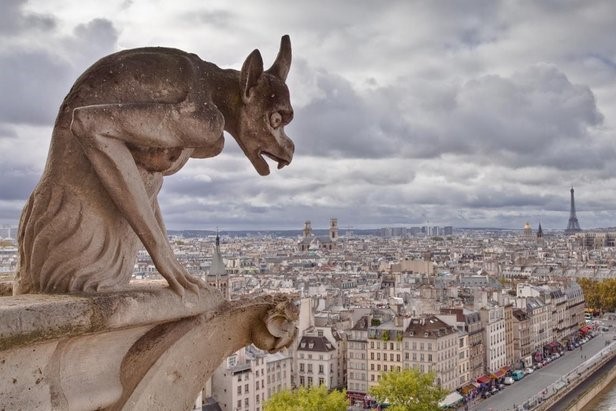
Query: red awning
[[484, 379], [585, 329]]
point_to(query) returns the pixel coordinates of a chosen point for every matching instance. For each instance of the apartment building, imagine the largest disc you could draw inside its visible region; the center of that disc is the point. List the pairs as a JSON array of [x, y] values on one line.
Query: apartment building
[[432, 345], [249, 377], [494, 337], [317, 359], [357, 358], [521, 339], [508, 312]]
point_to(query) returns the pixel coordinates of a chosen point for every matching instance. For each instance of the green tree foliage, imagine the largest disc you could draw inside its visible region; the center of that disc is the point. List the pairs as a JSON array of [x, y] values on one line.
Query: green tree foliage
[[307, 399], [600, 295], [408, 390]]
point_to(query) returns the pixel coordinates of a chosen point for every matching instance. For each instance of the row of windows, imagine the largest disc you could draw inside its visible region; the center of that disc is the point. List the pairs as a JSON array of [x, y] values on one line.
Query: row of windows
[[309, 368], [377, 344], [391, 356], [308, 381]]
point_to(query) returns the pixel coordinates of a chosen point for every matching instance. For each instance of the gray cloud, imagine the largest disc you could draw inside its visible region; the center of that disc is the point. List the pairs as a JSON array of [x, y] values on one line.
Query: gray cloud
[[482, 114]]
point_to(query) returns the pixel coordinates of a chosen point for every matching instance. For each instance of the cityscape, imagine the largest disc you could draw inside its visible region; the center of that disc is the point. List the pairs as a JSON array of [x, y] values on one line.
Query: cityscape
[[421, 188], [476, 307]]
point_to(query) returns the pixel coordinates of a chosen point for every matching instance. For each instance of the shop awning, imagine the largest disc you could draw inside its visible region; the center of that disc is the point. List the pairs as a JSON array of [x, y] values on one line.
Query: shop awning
[[451, 399], [501, 372], [484, 379], [585, 329], [466, 389]]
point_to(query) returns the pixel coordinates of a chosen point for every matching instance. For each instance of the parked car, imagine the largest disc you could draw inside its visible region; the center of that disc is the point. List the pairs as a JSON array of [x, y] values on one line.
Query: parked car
[[509, 380], [528, 370], [517, 375]]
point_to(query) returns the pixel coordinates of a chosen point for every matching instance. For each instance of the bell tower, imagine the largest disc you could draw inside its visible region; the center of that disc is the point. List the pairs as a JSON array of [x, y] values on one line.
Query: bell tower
[[333, 229]]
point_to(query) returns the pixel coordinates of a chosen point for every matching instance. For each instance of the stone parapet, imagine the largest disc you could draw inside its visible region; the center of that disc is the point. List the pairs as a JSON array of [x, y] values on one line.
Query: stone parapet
[[144, 348]]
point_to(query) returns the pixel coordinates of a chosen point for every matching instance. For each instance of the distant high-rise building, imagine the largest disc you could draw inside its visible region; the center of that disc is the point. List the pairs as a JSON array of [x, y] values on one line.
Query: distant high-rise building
[[573, 226]]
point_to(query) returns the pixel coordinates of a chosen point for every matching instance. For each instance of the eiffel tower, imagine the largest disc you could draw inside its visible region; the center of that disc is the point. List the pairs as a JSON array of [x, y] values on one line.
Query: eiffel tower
[[573, 226]]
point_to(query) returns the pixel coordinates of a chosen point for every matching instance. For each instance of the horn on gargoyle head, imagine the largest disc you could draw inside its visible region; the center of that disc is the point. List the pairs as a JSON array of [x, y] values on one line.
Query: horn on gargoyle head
[[281, 65]]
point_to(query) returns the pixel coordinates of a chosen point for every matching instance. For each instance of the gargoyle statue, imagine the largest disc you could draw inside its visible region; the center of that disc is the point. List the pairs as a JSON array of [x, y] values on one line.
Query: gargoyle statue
[[130, 119]]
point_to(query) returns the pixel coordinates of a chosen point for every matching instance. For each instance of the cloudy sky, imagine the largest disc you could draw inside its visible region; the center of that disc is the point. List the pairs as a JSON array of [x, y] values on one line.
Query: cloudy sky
[[471, 114]]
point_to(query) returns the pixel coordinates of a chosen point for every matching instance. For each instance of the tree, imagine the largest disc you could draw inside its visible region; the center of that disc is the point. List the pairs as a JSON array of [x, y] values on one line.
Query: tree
[[407, 390], [307, 399]]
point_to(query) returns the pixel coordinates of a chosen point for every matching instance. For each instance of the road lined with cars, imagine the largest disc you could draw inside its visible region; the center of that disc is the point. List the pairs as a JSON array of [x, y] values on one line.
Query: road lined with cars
[[546, 377]]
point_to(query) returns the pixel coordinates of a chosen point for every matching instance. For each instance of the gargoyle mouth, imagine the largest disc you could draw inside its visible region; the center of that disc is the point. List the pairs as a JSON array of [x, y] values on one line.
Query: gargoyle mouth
[[263, 167]]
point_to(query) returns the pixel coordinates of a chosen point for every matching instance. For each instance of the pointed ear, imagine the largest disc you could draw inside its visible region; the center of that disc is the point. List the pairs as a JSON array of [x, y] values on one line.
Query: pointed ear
[[251, 71], [282, 64]]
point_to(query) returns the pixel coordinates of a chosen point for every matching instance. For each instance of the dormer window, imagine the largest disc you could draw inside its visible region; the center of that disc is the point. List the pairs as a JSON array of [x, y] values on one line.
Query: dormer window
[[303, 345], [310, 346]]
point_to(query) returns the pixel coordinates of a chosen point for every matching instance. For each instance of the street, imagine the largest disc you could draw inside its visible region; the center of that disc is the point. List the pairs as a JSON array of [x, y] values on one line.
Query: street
[[534, 383]]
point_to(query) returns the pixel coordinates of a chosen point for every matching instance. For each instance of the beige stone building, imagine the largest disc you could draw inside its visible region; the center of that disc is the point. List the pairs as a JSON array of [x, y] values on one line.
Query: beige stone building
[[521, 339], [317, 359], [509, 351], [249, 377], [357, 358], [432, 345], [494, 337]]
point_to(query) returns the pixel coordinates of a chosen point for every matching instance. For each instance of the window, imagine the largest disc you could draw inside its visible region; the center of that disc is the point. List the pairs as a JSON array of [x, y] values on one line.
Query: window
[[321, 370], [245, 402], [310, 368], [301, 367], [239, 389]]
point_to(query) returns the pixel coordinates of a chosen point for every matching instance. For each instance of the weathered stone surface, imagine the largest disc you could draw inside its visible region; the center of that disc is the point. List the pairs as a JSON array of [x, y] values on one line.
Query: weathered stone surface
[[128, 121], [131, 350]]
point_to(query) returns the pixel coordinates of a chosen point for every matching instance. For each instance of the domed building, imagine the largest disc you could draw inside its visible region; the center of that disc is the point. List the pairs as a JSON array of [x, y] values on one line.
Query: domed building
[[528, 231]]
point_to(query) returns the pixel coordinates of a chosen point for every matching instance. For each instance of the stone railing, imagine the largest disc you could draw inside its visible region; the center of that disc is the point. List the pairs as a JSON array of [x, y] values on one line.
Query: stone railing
[[145, 348]]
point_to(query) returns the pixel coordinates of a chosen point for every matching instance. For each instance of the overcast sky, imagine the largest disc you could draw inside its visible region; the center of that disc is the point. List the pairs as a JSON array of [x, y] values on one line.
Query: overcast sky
[[463, 113]]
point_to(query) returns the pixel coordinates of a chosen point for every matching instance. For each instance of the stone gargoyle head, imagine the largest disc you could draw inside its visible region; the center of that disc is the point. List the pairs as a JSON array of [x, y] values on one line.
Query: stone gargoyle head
[[265, 110]]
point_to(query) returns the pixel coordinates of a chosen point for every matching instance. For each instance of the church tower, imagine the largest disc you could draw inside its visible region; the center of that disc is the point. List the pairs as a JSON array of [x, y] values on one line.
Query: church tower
[[333, 229], [539, 234], [217, 276], [307, 229]]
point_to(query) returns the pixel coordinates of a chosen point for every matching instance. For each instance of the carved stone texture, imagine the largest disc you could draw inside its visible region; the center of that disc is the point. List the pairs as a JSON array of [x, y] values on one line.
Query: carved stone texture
[[130, 119], [130, 350]]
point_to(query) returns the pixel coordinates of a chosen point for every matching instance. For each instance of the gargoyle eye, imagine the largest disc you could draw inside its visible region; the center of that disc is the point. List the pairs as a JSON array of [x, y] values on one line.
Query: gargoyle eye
[[275, 120]]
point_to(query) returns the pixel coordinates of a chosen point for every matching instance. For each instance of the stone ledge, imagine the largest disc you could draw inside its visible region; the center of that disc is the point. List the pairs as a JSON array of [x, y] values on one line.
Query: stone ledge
[[143, 348], [30, 318]]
